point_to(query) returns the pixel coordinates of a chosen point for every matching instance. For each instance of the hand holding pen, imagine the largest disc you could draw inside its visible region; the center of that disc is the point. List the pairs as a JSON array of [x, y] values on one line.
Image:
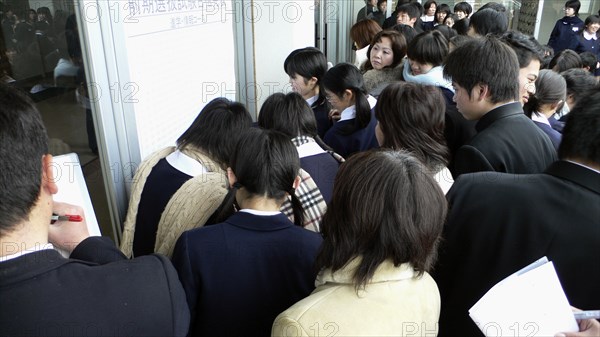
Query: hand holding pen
[[68, 227], [588, 324]]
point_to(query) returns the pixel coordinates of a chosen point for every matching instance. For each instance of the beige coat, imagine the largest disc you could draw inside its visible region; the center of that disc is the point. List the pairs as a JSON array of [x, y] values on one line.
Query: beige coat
[[394, 303]]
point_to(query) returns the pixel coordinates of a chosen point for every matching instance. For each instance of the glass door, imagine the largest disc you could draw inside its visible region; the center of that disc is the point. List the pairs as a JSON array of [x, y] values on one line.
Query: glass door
[[40, 53]]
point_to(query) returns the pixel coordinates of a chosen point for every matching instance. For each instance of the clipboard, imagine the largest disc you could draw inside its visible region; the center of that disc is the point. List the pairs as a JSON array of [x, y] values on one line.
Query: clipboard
[[72, 188]]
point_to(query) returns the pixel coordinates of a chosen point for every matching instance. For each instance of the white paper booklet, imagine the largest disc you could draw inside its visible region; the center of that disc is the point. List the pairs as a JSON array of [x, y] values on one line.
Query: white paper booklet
[[530, 302]]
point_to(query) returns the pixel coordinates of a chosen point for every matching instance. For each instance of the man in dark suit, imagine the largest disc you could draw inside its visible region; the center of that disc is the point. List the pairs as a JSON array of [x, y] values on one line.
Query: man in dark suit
[[97, 291], [485, 76], [499, 223]]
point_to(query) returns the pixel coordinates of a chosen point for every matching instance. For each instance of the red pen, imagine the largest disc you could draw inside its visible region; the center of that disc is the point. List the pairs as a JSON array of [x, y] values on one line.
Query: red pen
[[66, 217]]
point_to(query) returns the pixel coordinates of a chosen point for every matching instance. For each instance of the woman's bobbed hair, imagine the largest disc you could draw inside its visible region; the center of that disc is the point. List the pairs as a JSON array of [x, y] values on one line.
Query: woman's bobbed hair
[[217, 129], [398, 47], [290, 115], [363, 31], [429, 47], [412, 117], [385, 206]]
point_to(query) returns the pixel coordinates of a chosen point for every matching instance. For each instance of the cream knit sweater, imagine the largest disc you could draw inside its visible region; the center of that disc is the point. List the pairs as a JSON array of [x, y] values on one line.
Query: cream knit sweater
[[190, 207]]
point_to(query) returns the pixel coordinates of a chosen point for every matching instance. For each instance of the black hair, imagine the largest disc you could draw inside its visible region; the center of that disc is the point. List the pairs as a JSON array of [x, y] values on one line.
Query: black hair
[[428, 47], [526, 47], [489, 21], [345, 76], [487, 61], [442, 8], [217, 129], [420, 8], [464, 7], [23, 143], [265, 163], [410, 9], [579, 83], [575, 4], [459, 40], [550, 88], [446, 31], [290, 115], [428, 4], [547, 51], [407, 31], [401, 222], [461, 26], [591, 20], [589, 60], [581, 135], [565, 60], [451, 16], [307, 62], [46, 12], [495, 6]]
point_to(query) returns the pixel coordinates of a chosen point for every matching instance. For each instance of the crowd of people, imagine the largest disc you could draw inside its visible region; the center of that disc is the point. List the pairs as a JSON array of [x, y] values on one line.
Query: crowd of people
[[381, 197], [35, 43]]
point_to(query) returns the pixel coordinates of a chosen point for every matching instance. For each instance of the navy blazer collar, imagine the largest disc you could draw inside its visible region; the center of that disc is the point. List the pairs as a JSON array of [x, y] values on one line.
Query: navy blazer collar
[[576, 174], [258, 222], [500, 112]]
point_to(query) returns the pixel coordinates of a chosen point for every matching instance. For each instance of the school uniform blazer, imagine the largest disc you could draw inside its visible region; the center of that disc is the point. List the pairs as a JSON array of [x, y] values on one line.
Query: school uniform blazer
[[240, 274], [499, 223], [360, 140], [565, 32], [506, 141], [555, 136], [96, 292]]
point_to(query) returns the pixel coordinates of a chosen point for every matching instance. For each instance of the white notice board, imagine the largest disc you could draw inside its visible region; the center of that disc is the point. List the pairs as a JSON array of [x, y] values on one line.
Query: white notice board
[[173, 57]]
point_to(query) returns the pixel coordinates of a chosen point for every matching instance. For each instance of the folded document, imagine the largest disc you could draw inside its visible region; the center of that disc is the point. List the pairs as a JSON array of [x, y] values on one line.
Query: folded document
[[530, 302]]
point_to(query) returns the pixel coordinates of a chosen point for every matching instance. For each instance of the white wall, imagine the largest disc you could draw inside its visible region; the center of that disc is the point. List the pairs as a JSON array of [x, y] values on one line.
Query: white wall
[[35, 4], [278, 28]]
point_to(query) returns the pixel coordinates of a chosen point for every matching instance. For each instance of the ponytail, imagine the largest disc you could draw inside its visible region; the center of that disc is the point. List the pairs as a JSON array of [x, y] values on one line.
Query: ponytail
[[228, 206], [363, 112], [532, 106], [345, 76], [363, 109], [297, 209]]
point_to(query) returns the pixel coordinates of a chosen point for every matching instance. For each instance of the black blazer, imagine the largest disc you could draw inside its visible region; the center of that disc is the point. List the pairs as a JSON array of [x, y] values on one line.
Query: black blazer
[[506, 141], [499, 223], [97, 292], [240, 274]]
